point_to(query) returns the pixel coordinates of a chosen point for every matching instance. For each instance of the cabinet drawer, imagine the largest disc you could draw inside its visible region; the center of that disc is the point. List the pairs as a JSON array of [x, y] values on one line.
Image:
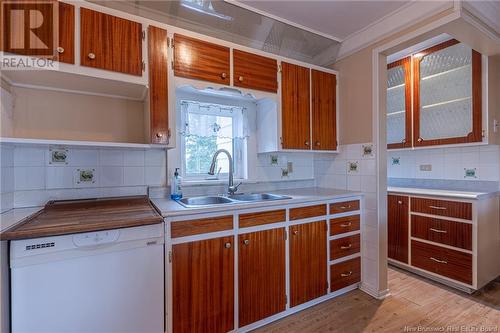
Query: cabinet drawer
[[260, 218], [344, 224], [201, 226], [461, 210], [306, 212], [453, 264], [342, 207], [345, 273], [451, 233], [344, 246]]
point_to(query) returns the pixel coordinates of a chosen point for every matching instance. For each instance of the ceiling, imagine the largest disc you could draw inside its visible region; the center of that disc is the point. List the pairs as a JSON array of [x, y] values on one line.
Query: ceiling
[[335, 18]]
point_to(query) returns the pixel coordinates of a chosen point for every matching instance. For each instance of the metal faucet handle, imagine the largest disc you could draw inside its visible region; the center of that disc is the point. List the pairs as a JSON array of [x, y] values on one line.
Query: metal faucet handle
[[232, 189]]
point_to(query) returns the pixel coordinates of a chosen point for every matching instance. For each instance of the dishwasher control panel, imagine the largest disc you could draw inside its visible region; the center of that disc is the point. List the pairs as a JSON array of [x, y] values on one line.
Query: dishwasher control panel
[[96, 238]]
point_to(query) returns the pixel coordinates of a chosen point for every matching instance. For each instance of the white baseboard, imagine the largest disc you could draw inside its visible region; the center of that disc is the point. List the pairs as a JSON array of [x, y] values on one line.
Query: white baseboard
[[373, 292]]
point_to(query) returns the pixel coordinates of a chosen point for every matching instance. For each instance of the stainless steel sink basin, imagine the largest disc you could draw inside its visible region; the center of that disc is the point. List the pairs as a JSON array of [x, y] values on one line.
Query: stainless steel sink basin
[[204, 201], [258, 197]]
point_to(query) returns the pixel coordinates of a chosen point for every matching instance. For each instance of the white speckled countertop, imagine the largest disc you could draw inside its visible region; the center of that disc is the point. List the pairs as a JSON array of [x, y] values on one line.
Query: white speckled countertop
[[443, 193], [169, 208]]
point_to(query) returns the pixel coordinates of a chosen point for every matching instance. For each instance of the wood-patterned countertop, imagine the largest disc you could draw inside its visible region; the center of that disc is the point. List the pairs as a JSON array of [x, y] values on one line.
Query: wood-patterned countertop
[[75, 216]]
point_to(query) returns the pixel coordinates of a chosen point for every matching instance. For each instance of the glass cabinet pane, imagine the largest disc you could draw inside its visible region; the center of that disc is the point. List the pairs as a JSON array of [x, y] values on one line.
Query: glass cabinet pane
[[398, 83], [445, 89]]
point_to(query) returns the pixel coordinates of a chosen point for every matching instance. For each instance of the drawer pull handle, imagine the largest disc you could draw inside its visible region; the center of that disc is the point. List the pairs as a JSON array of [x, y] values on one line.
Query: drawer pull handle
[[346, 274], [346, 247], [439, 261], [437, 207], [437, 230], [345, 207], [345, 225]]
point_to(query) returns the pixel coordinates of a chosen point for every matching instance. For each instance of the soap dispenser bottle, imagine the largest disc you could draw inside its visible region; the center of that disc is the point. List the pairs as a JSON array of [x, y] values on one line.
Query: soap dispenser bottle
[[176, 190]]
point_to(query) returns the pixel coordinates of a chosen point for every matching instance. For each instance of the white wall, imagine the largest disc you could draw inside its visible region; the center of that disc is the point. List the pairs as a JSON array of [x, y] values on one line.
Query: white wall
[[332, 171], [447, 163]]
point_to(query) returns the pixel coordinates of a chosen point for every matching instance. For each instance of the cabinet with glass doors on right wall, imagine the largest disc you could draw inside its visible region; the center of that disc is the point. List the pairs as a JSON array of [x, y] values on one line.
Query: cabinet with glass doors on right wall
[[435, 96]]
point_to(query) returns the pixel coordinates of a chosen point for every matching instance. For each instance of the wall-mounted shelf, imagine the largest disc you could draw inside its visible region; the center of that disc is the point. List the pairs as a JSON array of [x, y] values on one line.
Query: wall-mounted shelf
[[102, 144]]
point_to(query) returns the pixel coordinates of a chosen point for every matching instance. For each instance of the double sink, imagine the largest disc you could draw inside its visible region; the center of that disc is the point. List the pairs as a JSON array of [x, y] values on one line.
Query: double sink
[[235, 198]]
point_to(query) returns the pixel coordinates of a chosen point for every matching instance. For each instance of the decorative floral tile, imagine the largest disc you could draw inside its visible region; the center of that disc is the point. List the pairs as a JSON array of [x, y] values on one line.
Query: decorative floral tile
[[352, 167], [470, 173], [396, 160], [367, 150], [58, 156]]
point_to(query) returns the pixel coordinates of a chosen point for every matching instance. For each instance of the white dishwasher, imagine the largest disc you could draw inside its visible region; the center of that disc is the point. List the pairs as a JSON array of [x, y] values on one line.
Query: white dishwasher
[[103, 281]]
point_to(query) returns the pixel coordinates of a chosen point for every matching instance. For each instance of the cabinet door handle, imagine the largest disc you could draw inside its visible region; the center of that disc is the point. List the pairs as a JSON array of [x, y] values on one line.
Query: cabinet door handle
[[346, 274], [240, 78], [420, 139], [307, 143], [60, 49], [159, 135], [246, 242], [439, 261], [345, 225], [437, 230], [223, 75], [227, 245], [437, 207], [400, 202], [318, 143], [346, 247], [295, 232], [91, 56]]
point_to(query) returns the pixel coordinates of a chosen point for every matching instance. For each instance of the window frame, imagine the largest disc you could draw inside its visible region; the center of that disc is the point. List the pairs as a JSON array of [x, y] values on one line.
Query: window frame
[[477, 132], [407, 141]]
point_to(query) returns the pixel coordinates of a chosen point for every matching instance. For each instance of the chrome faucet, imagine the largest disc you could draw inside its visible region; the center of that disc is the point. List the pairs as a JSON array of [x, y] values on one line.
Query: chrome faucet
[[231, 189]]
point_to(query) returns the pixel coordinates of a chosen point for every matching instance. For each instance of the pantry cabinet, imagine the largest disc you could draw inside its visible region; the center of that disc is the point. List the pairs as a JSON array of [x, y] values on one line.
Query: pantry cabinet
[[295, 112], [324, 106], [200, 60], [308, 262], [203, 286], [158, 85], [397, 227], [255, 71], [261, 275], [111, 43]]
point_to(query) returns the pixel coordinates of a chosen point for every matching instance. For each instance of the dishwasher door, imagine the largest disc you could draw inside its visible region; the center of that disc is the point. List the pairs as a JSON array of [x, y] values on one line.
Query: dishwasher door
[[106, 281]]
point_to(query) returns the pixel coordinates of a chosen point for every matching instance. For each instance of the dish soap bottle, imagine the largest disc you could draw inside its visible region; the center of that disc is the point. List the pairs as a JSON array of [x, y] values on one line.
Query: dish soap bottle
[[176, 190]]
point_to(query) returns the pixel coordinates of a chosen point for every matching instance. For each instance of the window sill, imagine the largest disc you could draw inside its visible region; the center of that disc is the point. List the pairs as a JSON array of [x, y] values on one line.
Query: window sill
[[188, 183]]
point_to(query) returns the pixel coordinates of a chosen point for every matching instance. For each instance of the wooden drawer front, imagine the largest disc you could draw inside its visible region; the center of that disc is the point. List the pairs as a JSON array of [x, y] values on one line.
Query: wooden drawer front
[[200, 60], [344, 224], [450, 263], [342, 207], [255, 72], [461, 210], [305, 212], [344, 246], [451, 233], [260, 218], [201, 226], [345, 273]]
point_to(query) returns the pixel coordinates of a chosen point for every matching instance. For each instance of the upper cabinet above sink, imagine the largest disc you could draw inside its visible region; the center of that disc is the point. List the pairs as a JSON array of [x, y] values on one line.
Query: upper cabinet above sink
[[255, 71]]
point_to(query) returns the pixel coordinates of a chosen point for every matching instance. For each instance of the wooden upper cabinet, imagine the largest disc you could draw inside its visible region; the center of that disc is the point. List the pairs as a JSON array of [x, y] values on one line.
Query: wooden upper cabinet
[[158, 84], [111, 43], [254, 71], [397, 227], [197, 59], [295, 114], [447, 95], [203, 286], [324, 115], [261, 275], [308, 262], [399, 131], [66, 47]]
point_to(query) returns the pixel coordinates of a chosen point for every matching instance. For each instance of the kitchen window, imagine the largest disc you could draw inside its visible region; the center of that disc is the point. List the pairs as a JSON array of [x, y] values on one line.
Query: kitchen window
[[206, 128]]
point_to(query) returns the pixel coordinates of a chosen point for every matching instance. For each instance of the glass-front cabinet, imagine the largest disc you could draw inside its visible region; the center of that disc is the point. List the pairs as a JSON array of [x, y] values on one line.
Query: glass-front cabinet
[[443, 103]]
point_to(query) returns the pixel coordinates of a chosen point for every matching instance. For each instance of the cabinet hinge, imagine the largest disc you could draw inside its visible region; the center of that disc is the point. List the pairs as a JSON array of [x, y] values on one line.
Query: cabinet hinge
[[168, 41], [279, 68], [172, 42], [143, 34], [172, 63], [286, 235], [483, 133], [143, 66], [169, 256], [286, 299], [169, 133]]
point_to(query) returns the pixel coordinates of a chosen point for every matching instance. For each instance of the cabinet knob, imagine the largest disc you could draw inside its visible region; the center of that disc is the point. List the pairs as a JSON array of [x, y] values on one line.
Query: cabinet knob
[[420, 139], [159, 135], [223, 75], [91, 55], [240, 79], [295, 232], [403, 141], [400, 202], [306, 143], [227, 245], [246, 242], [318, 143], [60, 49]]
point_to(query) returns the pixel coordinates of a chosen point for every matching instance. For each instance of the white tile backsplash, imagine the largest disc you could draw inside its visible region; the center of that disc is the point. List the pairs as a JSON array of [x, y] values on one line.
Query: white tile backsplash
[[83, 157], [29, 178], [133, 176], [27, 156], [59, 177], [111, 176], [133, 158], [111, 157]]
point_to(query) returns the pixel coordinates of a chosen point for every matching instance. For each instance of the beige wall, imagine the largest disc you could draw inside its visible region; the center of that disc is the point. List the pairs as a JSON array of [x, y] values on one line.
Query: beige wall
[[45, 114]]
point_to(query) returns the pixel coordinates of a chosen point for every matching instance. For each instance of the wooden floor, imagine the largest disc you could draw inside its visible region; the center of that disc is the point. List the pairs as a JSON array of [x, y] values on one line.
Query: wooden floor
[[414, 302]]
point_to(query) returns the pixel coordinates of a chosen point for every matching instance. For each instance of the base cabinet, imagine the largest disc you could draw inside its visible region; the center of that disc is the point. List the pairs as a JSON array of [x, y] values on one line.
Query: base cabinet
[[203, 286], [261, 275], [397, 227]]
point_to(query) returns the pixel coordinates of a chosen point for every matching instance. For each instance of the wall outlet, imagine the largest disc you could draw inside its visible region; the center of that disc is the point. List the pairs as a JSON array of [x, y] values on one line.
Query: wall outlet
[[289, 166], [425, 167], [284, 173], [273, 159]]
